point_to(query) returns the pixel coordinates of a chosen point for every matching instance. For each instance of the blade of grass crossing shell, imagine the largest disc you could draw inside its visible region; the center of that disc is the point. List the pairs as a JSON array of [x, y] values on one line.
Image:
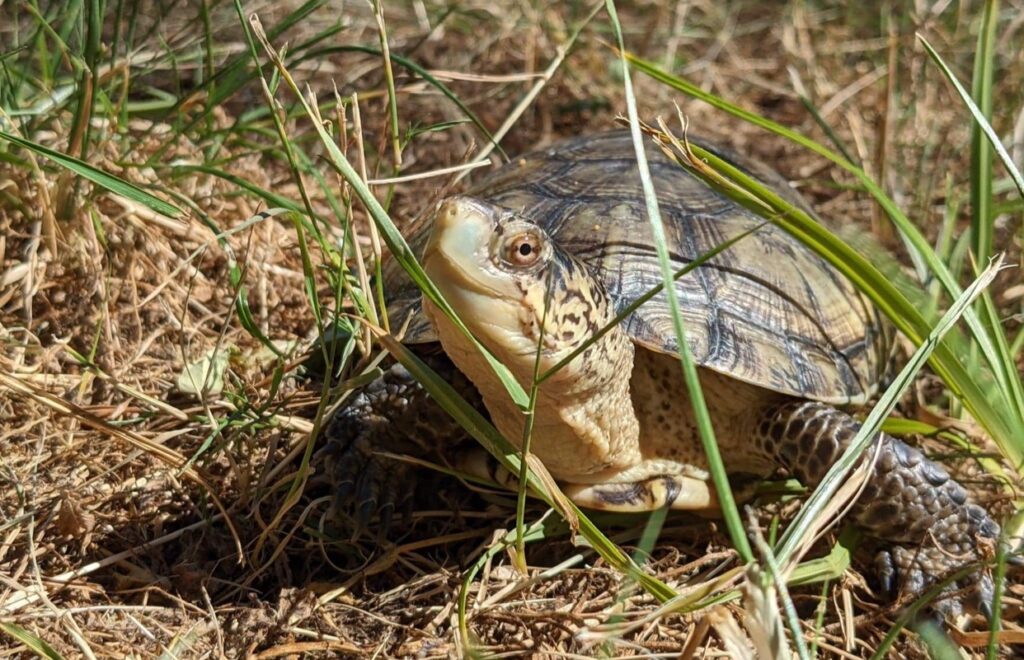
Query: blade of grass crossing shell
[[648, 295], [716, 466], [1005, 436], [868, 279], [839, 472], [400, 250]]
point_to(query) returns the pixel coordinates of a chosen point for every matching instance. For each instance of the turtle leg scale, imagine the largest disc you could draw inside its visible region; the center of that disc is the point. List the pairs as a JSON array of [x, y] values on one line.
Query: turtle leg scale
[[393, 414], [907, 500]]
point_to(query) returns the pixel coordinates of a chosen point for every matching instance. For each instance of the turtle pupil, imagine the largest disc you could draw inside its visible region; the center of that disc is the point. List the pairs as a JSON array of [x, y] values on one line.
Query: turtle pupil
[[525, 249]]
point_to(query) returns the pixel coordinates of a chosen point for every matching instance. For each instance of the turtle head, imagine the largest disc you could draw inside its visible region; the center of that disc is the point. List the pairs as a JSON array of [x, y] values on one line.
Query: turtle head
[[511, 283]]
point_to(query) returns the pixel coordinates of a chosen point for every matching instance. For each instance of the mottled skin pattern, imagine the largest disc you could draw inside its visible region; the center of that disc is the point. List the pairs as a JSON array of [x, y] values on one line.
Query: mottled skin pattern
[[908, 500], [780, 337], [365, 481]]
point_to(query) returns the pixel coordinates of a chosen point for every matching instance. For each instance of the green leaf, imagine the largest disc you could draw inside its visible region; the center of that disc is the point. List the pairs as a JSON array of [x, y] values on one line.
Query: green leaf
[[716, 466], [97, 176], [205, 377], [34, 644]]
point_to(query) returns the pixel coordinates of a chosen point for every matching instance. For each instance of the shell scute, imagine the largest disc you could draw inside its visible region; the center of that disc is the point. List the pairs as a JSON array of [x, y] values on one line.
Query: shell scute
[[768, 310]]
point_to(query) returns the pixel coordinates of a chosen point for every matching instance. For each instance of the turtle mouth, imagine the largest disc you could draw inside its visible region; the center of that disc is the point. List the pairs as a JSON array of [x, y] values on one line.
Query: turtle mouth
[[459, 258], [457, 254]]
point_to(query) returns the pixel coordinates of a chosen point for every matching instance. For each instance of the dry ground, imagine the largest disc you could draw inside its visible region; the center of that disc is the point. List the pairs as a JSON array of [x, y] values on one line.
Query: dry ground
[[109, 547]]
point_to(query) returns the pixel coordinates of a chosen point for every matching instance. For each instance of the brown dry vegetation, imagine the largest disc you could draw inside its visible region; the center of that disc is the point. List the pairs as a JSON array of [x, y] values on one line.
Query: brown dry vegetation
[[110, 547]]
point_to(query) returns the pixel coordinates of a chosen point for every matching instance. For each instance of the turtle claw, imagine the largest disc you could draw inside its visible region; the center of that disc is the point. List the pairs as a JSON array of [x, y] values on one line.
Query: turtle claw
[[365, 486], [380, 492], [885, 574], [986, 597], [904, 572]]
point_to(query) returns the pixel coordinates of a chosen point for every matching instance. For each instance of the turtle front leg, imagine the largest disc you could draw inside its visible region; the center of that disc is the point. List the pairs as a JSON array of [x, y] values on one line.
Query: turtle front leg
[[683, 492], [908, 500], [392, 414], [647, 486]]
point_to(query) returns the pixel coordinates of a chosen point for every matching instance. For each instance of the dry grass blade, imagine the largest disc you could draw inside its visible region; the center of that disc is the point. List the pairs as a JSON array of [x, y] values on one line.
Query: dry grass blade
[[535, 90], [166, 455]]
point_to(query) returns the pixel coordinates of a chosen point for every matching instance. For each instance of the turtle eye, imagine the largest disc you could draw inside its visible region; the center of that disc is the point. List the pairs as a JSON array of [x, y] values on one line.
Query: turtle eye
[[523, 250]]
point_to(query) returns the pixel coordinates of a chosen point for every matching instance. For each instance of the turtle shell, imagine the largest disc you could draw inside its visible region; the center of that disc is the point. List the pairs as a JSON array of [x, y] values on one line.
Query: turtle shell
[[768, 310]]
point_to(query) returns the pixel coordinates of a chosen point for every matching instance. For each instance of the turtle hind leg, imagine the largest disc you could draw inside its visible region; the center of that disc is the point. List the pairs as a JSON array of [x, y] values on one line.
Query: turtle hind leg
[[908, 500]]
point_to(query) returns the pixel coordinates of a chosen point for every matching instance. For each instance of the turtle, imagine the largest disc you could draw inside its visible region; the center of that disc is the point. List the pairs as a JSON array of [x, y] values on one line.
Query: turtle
[[548, 250]]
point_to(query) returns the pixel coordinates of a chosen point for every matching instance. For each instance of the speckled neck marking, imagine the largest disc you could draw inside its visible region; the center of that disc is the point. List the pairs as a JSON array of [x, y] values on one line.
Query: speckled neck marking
[[584, 421]]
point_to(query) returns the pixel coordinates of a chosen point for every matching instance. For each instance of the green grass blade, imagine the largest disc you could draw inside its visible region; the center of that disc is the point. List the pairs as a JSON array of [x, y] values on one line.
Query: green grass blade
[[979, 117], [233, 74], [1007, 368], [716, 465], [938, 643], [1007, 432], [97, 176], [400, 249], [999, 586], [537, 532], [805, 521], [830, 567], [981, 151], [527, 439], [33, 643]]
